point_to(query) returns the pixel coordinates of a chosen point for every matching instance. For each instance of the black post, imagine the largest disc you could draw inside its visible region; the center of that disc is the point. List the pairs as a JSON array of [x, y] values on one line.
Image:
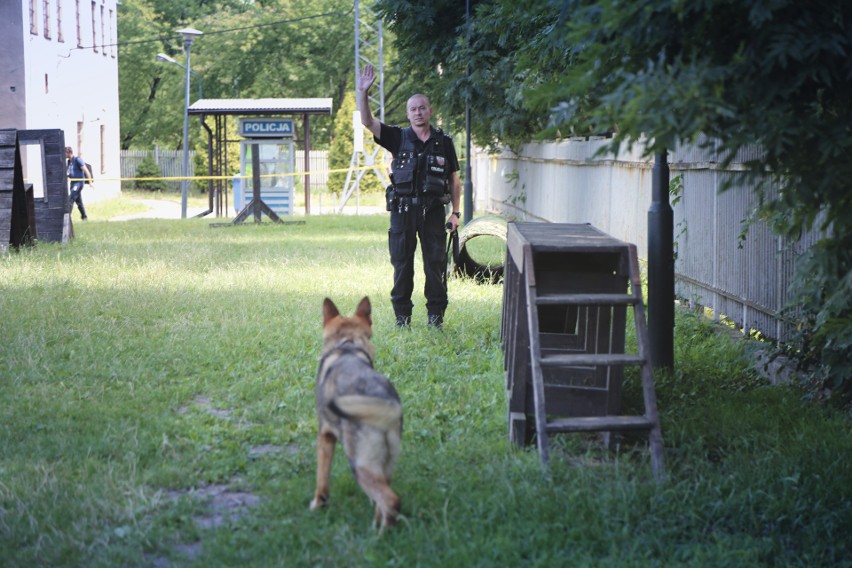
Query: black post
[[468, 182], [661, 267], [255, 181]]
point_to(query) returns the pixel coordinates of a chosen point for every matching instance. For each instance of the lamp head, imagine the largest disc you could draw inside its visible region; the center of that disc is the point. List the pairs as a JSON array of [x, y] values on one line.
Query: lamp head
[[166, 58], [189, 35]]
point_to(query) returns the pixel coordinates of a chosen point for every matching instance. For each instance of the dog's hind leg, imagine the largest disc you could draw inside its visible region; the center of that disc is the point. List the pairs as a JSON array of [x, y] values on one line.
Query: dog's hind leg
[[377, 488], [325, 454]]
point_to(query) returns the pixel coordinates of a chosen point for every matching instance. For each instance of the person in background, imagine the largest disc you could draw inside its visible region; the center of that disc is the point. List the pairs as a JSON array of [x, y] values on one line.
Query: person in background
[[78, 171]]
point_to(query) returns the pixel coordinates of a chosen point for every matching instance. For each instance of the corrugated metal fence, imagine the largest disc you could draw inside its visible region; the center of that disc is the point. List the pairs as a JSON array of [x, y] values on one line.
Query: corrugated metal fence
[[318, 169], [170, 162], [741, 275]]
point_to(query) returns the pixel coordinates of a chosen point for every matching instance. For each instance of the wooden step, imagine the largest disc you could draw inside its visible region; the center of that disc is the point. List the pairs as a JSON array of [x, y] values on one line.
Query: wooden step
[[600, 424], [590, 360], [586, 300]]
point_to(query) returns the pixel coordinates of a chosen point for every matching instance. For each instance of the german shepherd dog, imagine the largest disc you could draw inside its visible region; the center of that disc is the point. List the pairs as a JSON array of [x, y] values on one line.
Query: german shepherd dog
[[360, 407]]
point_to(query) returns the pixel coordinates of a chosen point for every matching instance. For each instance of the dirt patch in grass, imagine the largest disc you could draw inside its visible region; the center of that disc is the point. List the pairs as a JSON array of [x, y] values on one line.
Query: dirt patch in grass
[[223, 503], [206, 404]]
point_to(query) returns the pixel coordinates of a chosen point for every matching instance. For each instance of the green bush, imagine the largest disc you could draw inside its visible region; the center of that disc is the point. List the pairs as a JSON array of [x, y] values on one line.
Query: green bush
[[148, 168]]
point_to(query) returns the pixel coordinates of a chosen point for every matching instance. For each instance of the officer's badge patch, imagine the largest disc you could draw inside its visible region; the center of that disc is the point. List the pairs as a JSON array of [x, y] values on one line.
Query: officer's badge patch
[[440, 160]]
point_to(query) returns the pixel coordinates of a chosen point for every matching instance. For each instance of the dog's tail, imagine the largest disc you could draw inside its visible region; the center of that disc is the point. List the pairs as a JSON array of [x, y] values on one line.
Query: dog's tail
[[380, 413]]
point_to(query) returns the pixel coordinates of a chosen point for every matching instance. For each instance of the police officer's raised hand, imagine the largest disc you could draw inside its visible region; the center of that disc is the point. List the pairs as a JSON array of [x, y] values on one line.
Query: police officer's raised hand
[[366, 78]]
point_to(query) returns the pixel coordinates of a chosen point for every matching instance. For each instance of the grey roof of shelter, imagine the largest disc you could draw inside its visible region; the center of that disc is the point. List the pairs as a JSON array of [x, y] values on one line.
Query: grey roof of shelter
[[261, 106]]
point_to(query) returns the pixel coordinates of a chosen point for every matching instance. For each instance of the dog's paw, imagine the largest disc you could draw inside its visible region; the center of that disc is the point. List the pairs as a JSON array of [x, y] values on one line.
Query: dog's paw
[[318, 502]]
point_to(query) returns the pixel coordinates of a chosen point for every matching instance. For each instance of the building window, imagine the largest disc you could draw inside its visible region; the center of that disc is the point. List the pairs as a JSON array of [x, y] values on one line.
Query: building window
[[79, 28], [103, 37], [112, 38], [33, 18], [59, 37], [94, 28], [46, 19]]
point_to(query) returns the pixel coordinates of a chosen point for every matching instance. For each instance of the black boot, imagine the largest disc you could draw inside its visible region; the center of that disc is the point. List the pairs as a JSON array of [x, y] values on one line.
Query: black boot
[[403, 321], [436, 320]]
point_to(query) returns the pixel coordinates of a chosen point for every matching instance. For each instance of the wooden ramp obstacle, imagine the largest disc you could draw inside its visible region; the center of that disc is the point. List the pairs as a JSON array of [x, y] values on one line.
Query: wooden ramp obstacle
[[17, 213], [27, 215], [566, 294]]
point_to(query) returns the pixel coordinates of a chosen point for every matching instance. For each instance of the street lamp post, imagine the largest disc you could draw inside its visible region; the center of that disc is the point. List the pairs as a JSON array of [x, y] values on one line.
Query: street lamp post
[[167, 59], [189, 35], [468, 182]]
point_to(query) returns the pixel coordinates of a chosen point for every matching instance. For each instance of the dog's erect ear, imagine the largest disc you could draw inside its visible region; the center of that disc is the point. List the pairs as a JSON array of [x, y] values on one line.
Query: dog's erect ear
[[364, 310], [329, 311]]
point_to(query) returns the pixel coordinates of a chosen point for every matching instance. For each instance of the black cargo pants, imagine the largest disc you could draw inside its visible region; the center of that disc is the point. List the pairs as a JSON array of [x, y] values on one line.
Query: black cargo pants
[[406, 226]]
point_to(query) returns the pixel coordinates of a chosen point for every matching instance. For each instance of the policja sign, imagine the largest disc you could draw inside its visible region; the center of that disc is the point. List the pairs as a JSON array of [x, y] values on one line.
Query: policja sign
[[266, 127]]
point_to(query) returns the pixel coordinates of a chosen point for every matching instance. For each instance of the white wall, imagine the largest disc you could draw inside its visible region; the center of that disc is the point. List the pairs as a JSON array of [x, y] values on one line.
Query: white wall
[[60, 81]]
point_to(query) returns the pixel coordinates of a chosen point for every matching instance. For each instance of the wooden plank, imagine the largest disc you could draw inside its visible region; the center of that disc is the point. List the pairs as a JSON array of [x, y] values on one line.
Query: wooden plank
[[7, 157], [8, 136], [564, 402], [600, 424], [616, 374], [564, 236], [591, 359], [515, 242], [655, 438], [586, 300], [535, 359], [565, 342], [520, 433]]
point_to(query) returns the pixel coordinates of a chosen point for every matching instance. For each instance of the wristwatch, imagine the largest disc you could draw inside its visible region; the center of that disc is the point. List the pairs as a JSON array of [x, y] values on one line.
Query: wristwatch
[[457, 214]]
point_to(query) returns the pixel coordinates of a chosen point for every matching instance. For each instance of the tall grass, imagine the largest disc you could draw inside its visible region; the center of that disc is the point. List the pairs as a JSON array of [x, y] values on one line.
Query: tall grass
[[151, 364]]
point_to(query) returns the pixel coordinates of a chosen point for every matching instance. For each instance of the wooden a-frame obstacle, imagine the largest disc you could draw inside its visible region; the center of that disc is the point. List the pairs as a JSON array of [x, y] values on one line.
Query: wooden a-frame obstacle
[[566, 293], [25, 218]]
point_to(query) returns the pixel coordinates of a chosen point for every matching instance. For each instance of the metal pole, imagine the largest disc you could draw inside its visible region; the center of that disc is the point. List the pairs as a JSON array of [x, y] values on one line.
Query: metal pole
[[188, 35], [468, 182], [661, 267], [183, 188]]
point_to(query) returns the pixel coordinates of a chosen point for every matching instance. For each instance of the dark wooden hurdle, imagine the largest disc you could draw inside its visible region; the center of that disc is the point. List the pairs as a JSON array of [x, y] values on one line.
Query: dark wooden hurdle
[[566, 294]]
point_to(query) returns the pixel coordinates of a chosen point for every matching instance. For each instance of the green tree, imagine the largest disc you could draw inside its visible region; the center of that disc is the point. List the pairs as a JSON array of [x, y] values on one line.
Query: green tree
[[774, 74], [484, 70], [262, 49], [151, 108], [340, 152]]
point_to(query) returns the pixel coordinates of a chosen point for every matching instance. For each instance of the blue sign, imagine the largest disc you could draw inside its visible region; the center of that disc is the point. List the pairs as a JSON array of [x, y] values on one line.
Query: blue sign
[[266, 127]]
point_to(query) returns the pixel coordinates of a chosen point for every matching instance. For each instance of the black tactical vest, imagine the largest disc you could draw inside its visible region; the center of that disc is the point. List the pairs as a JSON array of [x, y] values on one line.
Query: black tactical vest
[[423, 174]]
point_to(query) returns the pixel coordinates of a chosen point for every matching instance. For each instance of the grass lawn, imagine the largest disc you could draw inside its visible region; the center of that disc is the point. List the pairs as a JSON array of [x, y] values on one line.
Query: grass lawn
[[157, 409]]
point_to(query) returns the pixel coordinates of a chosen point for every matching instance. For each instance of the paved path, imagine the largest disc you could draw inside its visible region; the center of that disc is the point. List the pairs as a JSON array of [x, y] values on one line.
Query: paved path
[[159, 209], [167, 209]]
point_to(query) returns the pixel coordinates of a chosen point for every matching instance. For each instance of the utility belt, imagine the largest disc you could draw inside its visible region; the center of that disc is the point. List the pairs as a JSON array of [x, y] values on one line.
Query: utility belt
[[404, 203]]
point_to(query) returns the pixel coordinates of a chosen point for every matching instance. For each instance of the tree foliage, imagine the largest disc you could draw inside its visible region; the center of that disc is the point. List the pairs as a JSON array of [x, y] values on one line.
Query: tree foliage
[[340, 151], [774, 73], [260, 49]]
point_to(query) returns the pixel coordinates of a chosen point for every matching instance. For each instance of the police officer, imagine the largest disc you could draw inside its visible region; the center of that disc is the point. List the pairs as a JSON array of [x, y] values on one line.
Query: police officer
[[425, 176]]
